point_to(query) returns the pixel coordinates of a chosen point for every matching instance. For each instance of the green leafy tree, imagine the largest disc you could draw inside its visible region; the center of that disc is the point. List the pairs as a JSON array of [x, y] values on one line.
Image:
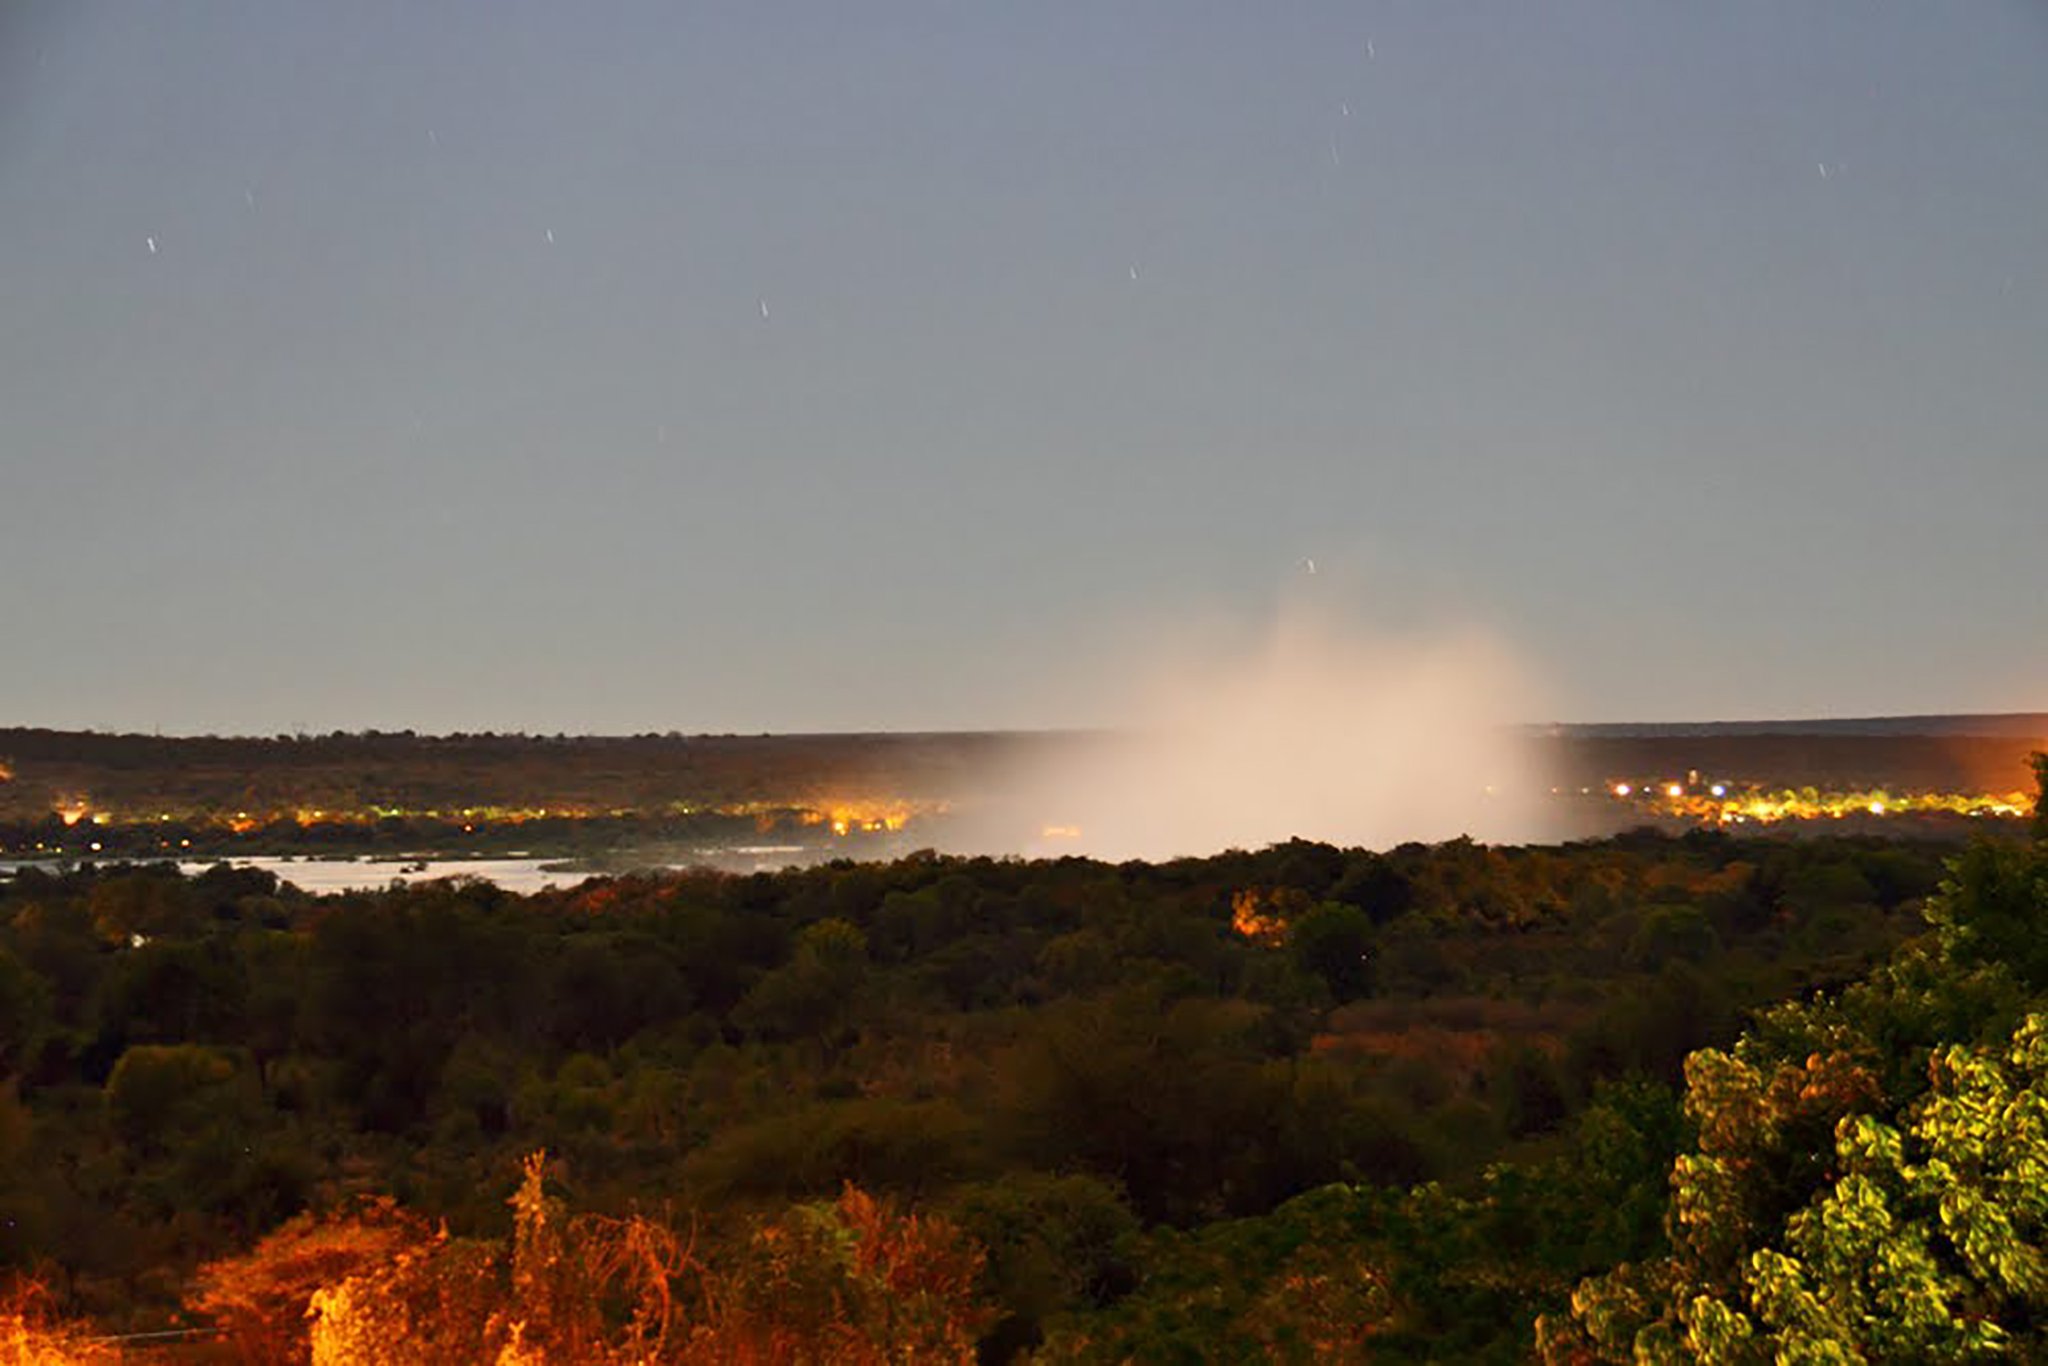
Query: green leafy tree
[[1993, 910], [1924, 1242], [1928, 1244], [159, 1094], [812, 995], [1870, 1176], [1168, 1098], [1054, 1244], [136, 907]]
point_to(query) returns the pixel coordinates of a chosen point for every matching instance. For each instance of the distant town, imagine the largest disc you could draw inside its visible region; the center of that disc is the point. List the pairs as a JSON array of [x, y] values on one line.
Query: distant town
[[82, 794]]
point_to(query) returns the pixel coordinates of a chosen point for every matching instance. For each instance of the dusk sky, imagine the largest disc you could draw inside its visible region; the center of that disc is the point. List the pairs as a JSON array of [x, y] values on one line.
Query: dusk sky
[[898, 366]]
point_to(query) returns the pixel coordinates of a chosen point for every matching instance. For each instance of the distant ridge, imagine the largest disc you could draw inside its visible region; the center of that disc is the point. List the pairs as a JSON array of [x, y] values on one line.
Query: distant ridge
[[1995, 725]]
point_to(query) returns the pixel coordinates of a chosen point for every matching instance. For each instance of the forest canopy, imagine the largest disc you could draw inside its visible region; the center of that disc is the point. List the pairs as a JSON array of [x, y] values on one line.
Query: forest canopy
[[1679, 1096]]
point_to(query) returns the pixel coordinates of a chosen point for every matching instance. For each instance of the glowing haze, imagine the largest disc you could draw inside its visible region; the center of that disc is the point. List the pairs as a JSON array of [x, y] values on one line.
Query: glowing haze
[[1319, 729]]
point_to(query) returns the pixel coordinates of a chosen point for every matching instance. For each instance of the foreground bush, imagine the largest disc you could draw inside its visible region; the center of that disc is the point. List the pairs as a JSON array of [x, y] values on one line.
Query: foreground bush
[[31, 1335], [852, 1281]]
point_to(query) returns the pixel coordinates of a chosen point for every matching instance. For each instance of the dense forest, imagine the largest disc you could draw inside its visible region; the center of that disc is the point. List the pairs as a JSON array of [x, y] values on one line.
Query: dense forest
[[1648, 1098]]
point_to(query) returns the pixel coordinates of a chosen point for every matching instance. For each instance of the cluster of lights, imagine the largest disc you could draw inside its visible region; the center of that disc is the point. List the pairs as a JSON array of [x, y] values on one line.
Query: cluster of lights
[[870, 817], [92, 846], [1718, 803], [844, 816]]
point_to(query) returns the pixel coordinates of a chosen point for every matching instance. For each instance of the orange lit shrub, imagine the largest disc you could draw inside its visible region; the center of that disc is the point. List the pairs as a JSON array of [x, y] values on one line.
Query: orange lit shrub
[[31, 1335], [852, 1281], [258, 1300]]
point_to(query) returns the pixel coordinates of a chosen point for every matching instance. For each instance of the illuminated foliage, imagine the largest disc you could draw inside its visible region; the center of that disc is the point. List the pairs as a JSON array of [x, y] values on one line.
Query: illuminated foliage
[[259, 1299], [430, 1305], [1923, 1243], [588, 1288], [1839, 1207], [850, 1281], [567, 1288], [32, 1335], [1261, 916]]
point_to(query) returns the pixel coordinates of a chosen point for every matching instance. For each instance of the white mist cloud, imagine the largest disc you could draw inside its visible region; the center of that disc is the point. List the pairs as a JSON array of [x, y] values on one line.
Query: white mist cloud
[[1316, 730]]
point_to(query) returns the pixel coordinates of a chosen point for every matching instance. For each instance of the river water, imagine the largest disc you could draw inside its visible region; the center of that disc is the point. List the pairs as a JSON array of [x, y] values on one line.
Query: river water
[[521, 875]]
